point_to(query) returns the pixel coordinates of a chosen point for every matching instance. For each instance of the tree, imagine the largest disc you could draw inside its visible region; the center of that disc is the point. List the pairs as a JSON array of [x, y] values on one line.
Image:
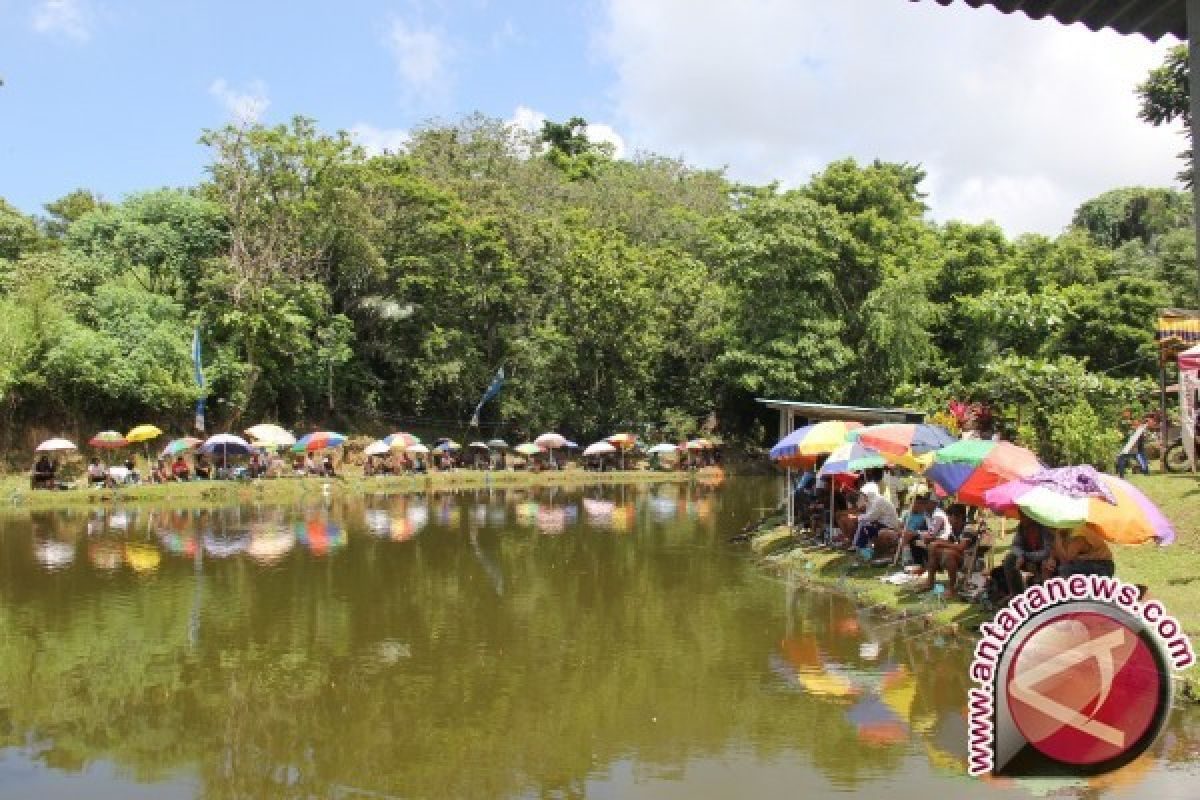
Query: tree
[[18, 233], [1164, 99], [570, 150], [68, 208]]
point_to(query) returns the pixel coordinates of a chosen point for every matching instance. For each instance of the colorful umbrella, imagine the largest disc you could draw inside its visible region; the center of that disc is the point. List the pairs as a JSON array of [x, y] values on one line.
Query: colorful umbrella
[[447, 445], [55, 446], [551, 441], [1072, 496], [897, 439], [108, 440], [803, 445], [226, 444], [318, 440], [851, 457], [177, 447], [378, 448], [271, 435], [143, 433], [401, 441], [599, 449], [499, 444], [622, 440], [968, 468], [699, 444], [528, 449]]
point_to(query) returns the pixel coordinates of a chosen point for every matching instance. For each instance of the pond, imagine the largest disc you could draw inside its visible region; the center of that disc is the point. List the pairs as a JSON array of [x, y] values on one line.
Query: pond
[[601, 642]]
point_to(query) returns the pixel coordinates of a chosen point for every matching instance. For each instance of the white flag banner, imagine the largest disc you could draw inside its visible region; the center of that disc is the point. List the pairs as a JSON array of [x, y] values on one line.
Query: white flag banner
[[1189, 384]]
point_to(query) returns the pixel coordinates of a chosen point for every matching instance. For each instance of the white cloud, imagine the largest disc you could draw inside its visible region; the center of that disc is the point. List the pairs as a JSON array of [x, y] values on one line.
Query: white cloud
[[245, 106], [69, 18], [526, 119], [377, 141], [422, 57], [1015, 120], [531, 120], [600, 132]]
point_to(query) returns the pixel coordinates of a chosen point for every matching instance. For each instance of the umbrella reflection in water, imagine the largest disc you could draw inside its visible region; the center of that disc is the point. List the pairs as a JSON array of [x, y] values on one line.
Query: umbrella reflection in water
[[53, 554]]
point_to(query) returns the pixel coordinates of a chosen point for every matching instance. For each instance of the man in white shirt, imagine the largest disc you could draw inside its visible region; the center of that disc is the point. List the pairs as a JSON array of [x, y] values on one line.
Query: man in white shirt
[[879, 514]]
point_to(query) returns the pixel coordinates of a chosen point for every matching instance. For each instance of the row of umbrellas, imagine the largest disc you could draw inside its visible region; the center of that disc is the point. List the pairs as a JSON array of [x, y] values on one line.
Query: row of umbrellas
[[271, 436], [261, 436], [1001, 476]]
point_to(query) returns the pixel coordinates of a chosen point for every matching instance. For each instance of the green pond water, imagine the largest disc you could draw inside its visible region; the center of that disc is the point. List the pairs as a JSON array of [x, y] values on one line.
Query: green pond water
[[593, 642]]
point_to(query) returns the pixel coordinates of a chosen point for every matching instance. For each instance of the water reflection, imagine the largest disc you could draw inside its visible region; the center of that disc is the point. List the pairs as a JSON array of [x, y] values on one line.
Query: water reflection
[[587, 642]]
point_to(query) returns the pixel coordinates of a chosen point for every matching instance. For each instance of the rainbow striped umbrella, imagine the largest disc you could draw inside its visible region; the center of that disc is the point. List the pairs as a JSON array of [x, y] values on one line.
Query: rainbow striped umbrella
[[528, 449], [177, 447], [318, 440], [108, 439], [851, 457], [1074, 496], [900, 439], [969, 467], [803, 445]]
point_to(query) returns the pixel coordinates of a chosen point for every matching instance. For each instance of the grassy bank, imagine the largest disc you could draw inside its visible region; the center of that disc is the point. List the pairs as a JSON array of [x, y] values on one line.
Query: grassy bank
[[1171, 573], [15, 492]]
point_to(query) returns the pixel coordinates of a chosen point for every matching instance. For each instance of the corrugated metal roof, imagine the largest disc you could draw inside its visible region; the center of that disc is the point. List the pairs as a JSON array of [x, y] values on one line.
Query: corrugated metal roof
[[830, 411], [1151, 18]]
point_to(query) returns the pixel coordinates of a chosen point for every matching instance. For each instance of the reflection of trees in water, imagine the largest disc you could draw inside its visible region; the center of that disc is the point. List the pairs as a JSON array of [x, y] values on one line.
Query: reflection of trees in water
[[400, 667]]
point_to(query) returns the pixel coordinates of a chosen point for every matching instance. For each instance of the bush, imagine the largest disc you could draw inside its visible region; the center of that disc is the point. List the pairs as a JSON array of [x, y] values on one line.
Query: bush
[[1079, 436]]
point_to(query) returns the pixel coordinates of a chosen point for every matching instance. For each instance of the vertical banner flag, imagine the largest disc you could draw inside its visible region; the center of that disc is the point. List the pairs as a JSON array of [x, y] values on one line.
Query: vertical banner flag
[[199, 370], [1189, 385], [1189, 382], [492, 390]]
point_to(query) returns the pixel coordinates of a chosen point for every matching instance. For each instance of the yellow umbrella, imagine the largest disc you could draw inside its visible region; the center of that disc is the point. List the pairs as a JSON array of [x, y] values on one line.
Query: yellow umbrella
[[143, 433]]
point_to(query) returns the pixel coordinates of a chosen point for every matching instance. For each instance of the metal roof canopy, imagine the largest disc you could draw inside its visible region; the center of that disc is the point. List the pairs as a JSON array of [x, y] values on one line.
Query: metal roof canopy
[[1151, 18], [789, 410]]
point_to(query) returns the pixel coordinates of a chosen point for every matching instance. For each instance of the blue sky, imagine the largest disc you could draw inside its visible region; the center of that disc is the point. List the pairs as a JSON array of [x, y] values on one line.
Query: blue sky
[[116, 96], [1015, 121]]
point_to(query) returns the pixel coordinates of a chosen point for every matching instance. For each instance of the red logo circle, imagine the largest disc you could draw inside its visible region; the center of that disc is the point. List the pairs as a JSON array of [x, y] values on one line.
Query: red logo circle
[[1084, 688]]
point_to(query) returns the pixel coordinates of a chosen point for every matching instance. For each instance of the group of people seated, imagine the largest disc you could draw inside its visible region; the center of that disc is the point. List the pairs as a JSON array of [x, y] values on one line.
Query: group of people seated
[[932, 537], [162, 471]]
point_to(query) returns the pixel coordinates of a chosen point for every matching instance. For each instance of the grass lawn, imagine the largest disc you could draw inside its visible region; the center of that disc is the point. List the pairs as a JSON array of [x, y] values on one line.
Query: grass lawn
[[1172, 573]]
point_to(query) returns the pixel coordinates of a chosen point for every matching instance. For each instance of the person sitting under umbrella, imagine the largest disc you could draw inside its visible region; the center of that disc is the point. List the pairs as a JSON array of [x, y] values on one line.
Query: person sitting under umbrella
[[948, 552], [42, 476], [179, 470], [1081, 551], [878, 514], [96, 473], [327, 468], [202, 468], [1032, 547]]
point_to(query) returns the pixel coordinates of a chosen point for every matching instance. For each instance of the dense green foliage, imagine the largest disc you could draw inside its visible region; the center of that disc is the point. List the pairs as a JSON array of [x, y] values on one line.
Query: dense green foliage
[[335, 288]]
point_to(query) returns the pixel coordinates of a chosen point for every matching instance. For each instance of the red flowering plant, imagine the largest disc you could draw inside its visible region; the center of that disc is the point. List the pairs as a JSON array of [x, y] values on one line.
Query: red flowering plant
[[971, 416]]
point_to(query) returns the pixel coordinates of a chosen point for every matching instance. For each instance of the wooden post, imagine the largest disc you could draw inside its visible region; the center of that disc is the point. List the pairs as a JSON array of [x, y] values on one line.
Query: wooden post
[[1193, 29]]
